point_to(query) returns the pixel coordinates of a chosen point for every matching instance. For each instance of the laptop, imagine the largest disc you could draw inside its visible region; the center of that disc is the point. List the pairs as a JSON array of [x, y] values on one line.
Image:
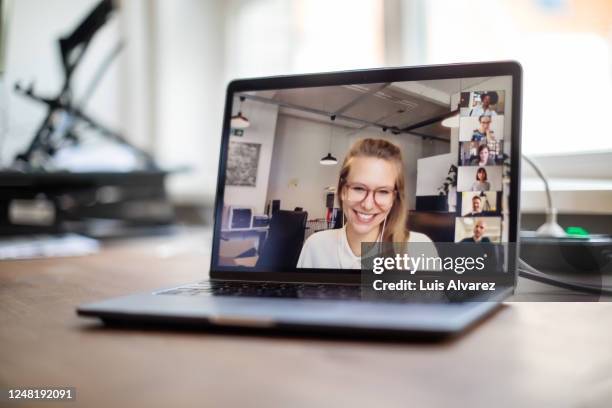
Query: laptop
[[313, 168]]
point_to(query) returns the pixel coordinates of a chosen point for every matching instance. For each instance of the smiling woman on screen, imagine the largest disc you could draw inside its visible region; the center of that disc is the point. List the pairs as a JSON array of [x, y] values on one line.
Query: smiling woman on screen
[[481, 183], [372, 200]]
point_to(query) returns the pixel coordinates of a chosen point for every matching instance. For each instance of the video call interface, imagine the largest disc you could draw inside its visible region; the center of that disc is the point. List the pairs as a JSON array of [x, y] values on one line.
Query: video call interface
[[323, 160]]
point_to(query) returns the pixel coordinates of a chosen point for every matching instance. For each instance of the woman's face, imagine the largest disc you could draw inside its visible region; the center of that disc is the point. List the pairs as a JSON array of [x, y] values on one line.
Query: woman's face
[[486, 101], [481, 176], [484, 155], [373, 174]]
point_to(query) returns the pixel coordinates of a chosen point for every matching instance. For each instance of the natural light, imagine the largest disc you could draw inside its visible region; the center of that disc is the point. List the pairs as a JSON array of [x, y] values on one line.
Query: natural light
[[567, 77]]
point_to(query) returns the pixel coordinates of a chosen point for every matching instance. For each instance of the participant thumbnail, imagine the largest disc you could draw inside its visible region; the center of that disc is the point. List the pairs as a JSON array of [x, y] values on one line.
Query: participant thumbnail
[[481, 153], [476, 229], [476, 103], [481, 128], [479, 203], [474, 178]]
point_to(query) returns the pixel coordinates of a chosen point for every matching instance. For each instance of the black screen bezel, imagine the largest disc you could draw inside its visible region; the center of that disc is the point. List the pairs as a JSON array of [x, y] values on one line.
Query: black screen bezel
[[381, 75]]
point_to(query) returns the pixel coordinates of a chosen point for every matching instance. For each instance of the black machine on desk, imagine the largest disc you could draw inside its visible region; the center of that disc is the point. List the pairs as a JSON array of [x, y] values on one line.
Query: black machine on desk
[[39, 196]]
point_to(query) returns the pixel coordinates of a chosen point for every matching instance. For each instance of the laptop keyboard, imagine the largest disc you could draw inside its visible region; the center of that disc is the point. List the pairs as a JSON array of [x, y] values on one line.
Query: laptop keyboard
[[307, 291], [267, 289]]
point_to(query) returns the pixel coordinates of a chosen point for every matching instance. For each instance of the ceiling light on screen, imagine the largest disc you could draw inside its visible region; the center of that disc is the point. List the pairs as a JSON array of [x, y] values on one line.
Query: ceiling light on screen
[[451, 122], [240, 121], [330, 160]]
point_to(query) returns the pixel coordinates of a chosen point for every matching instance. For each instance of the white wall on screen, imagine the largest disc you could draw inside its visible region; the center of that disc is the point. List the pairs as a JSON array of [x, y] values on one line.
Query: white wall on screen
[[432, 172], [297, 178], [262, 129]]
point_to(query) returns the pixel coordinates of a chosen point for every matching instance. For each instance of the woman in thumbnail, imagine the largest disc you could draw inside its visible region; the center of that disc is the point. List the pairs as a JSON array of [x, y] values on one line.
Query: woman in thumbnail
[[483, 157], [481, 183], [372, 200]]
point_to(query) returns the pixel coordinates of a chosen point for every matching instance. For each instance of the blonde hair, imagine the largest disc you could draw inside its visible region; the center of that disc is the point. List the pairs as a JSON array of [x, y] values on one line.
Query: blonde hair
[[396, 229]]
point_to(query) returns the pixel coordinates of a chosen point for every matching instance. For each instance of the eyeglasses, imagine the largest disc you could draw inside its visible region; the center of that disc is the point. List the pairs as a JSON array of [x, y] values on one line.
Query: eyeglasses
[[357, 193]]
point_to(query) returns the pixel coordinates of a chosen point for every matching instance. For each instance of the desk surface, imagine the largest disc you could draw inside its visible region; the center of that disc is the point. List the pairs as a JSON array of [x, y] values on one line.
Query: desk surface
[[528, 354]]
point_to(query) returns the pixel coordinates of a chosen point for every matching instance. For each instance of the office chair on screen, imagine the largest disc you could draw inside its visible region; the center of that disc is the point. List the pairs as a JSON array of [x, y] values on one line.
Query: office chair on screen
[[285, 240]]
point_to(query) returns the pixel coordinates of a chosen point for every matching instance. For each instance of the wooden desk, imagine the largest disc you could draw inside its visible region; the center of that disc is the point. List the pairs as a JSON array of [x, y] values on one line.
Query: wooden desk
[[528, 354]]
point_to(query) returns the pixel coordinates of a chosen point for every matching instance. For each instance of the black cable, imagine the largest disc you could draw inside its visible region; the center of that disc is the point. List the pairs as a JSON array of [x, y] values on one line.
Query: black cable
[[529, 272]]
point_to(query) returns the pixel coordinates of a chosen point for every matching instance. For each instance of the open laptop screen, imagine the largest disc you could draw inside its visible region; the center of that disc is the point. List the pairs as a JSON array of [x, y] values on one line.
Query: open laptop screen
[[308, 171]]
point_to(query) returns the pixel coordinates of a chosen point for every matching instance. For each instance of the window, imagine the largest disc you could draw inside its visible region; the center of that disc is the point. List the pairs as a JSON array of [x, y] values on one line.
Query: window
[[565, 50]]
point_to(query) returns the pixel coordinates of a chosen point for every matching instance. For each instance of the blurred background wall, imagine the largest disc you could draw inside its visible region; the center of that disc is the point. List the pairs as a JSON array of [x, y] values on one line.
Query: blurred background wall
[[166, 90]]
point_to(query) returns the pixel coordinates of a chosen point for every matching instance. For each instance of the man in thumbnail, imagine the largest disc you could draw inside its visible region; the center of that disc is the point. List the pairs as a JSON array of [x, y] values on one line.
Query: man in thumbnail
[[478, 233], [484, 132], [486, 100], [476, 206]]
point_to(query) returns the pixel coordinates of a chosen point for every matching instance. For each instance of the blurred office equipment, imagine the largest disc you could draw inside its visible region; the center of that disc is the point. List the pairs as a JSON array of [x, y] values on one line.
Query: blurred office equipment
[[95, 204], [47, 246], [572, 259], [579, 255], [64, 115], [77, 175]]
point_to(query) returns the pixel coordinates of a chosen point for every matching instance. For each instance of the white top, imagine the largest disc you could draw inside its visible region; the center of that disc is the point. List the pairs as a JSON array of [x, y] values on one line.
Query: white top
[[478, 111], [330, 249]]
